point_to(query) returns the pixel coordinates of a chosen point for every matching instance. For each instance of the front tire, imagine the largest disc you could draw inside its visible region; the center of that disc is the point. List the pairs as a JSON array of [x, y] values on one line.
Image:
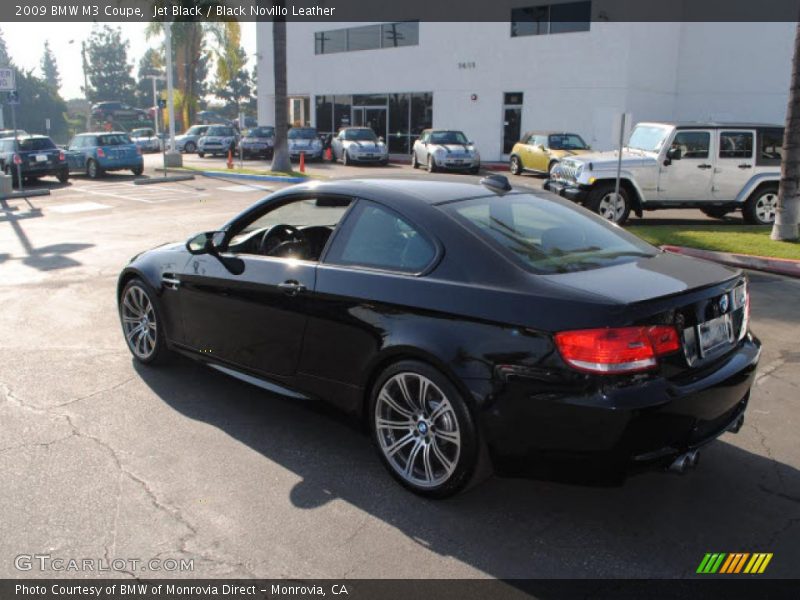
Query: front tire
[[345, 157], [201, 154], [603, 201], [190, 147], [414, 162], [142, 325], [423, 429], [761, 206], [431, 166], [137, 171]]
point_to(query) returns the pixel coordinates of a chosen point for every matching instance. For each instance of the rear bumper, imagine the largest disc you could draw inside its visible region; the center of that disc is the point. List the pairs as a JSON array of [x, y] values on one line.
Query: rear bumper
[[120, 164], [42, 171], [636, 425], [576, 193]]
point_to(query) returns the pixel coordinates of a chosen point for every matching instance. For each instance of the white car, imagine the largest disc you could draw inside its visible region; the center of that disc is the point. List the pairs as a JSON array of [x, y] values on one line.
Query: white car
[[440, 149], [359, 145], [146, 140], [218, 139], [304, 140]]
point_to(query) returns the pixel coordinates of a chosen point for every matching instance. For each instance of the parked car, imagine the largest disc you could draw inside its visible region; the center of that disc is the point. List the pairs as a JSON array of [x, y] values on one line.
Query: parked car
[[218, 139], [146, 139], [98, 152], [105, 111], [258, 141], [187, 142], [458, 320], [359, 145], [32, 156], [445, 149], [540, 151], [304, 140], [716, 167]]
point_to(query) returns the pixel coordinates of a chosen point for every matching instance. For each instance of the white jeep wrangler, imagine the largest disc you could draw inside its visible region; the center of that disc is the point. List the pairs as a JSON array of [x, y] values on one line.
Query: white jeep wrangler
[[716, 167]]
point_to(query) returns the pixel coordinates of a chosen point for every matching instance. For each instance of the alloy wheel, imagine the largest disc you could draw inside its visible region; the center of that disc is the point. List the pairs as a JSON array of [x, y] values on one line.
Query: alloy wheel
[[515, 170], [611, 207], [766, 207], [417, 430], [139, 322]]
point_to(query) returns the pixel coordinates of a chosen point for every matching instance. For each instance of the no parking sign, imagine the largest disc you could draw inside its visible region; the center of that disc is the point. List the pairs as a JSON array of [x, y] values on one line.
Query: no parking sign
[[7, 83]]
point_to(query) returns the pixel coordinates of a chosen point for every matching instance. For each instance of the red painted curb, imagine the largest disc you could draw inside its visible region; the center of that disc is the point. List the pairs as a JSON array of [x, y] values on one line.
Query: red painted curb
[[779, 266]]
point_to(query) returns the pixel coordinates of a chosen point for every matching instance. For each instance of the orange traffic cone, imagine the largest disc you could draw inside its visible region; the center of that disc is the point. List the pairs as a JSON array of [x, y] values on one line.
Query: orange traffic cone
[[328, 155], [230, 159], [302, 162]]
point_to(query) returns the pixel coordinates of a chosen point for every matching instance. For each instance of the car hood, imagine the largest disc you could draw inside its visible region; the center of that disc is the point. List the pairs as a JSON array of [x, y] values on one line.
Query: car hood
[[609, 159], [566, 153], [645, 278], [363, 145]]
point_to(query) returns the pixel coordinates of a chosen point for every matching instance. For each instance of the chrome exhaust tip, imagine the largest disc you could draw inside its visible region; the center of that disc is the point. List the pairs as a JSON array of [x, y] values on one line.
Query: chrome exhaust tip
[[694, 458], [736, 425], [681, 464]]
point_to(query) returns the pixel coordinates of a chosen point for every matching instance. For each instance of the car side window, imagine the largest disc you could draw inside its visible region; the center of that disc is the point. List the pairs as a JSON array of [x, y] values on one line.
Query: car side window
[[770, 144], [378, 238], [692, 144], [540, 140], [735, 144]]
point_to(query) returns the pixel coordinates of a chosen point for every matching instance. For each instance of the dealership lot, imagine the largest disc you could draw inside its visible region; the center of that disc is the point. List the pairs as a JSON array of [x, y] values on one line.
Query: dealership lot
[[104, 458]]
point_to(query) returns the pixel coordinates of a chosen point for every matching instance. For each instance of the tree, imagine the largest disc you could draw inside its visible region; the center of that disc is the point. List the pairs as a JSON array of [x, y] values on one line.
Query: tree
[[107, 66], [232, 79], [151, 63], [280, 157], [5, 59], [49, 68], [38, 101], [788, 214]]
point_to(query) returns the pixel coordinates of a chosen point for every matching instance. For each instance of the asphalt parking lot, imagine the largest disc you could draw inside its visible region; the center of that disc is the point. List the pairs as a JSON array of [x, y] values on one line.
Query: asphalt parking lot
[[106, 459]]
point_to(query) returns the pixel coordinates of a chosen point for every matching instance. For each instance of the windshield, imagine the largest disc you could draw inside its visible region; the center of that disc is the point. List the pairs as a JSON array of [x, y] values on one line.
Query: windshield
[[649, 138], [360, 135], [566, 141], [261, 132], [548, 236], [302, 133], [36, 144], [113, 139], [196, 130], [220, 131], [448, 137], [141, 133]]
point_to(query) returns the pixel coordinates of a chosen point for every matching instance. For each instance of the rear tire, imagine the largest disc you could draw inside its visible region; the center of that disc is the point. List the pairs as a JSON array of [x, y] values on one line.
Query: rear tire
[[602, 201], [93, 170], [552, 164], [515, 166], [714, 212], [201, 154], [761, 206], [63, 176], [423, 430], [137, 171], [345, 157]]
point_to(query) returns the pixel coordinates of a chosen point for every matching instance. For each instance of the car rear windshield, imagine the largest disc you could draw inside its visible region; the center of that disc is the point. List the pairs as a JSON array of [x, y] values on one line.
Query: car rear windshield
[[566, 141], [448, 137], [548, 236], [113, 139], [261, 132], [302, 133], [36, 144]]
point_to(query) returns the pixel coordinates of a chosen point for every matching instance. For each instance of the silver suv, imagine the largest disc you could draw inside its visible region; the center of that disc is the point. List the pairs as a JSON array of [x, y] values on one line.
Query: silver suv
[[716, 167]]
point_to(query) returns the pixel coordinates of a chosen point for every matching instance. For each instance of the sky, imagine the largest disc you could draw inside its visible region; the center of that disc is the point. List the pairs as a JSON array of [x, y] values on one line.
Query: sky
[[25, 43]]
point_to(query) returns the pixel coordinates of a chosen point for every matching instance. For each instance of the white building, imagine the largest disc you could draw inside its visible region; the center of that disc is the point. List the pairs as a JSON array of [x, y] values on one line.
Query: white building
[[497, 80]]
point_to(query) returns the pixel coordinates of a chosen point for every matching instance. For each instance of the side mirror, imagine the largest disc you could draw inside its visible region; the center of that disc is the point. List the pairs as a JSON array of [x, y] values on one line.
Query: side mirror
[[380, 138], [207, 242], [674, 153]]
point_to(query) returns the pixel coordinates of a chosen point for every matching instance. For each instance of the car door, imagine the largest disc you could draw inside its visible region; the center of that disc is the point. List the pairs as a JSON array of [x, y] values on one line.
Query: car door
[[687, 176], [256, 319], [537, 153], [735, 163], [76, 160]]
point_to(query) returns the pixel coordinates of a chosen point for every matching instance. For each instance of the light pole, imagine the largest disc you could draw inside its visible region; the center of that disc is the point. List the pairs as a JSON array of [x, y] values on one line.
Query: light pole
[[85, 84], [155, 96], [173, 158]]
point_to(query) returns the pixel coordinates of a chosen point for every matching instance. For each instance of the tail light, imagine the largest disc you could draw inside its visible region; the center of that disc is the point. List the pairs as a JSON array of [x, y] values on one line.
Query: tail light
[[617, 350], [17, 159], [62, 156], [100, 153]]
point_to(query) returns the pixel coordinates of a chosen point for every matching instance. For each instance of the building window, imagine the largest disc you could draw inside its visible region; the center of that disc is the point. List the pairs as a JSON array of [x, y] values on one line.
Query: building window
[[367, 37], [551, 18]]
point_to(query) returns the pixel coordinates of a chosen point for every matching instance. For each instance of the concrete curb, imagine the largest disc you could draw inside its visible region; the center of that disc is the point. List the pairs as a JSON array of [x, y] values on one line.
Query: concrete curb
[[779, 266], [224, 175], [167, 179]]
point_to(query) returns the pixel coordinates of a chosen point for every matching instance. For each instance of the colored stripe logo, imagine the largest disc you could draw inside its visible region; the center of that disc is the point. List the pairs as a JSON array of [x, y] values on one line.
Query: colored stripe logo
[[734, 563]]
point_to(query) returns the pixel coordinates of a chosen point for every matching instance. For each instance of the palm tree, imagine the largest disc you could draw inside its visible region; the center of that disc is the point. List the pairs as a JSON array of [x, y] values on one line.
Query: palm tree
[[785, 227], [280, 157]]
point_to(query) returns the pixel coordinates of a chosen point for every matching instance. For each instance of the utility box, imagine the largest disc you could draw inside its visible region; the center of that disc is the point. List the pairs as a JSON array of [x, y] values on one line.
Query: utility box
[[173, 159], [6, 185]]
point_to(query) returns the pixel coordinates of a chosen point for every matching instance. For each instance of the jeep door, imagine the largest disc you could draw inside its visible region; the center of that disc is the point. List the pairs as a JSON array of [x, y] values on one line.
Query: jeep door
[[687, 176], [735, 162]]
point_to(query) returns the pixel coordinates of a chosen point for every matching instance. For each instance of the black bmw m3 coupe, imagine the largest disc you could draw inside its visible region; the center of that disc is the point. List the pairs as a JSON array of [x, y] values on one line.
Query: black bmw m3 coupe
[[464, 323]]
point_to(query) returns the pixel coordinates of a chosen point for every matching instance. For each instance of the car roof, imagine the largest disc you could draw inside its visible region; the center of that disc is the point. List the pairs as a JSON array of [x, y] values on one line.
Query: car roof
[[549, 132], [714, 124]]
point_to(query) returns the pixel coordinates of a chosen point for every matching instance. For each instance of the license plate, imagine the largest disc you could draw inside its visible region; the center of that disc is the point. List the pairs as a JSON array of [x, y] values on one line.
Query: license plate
[[41, 158], [715, 333], [458, 162]]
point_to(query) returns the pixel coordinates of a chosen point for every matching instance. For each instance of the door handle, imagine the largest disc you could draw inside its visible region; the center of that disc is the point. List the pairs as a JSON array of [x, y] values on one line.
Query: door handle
[[744, 166], [703, 166], [291, 287]]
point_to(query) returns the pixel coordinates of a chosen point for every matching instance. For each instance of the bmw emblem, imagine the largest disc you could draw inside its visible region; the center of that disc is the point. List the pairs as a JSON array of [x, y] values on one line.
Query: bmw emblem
[[723, 304], [422, 427]]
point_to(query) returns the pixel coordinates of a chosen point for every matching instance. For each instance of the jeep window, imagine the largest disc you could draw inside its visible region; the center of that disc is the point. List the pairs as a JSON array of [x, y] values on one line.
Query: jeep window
[[735, 144], [566, 141], [770, 144], [649, 138], [692, 144]]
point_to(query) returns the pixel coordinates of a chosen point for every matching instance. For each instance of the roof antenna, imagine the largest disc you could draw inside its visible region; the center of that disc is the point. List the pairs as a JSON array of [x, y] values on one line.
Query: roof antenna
[[497, 183]]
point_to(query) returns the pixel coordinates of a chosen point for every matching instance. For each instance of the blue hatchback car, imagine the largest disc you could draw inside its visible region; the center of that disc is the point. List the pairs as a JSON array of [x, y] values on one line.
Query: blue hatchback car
[[96, 153]]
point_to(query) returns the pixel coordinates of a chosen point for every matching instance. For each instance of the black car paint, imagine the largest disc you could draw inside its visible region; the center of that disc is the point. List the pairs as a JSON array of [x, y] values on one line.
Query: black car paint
[[55, 165], [482, 320]]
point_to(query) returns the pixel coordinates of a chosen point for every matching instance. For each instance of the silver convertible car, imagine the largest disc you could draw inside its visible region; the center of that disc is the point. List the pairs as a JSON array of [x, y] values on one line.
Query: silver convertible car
[[445, 149], [359, 144]]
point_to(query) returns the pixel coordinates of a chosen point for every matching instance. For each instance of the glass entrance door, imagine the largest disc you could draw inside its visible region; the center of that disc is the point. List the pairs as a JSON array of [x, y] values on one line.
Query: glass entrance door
[[373, 117]]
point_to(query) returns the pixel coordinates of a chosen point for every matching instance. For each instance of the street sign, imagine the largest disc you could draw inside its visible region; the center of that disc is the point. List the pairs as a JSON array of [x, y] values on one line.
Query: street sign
[[12, 98], [162, 103], [7, 82]]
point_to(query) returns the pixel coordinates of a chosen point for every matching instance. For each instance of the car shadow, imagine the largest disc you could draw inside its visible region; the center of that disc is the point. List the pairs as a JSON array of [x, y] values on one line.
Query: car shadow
[[654, 525]]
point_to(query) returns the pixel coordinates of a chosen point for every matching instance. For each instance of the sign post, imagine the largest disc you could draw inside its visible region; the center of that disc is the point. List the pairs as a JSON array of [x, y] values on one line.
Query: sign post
[[8, 84]]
